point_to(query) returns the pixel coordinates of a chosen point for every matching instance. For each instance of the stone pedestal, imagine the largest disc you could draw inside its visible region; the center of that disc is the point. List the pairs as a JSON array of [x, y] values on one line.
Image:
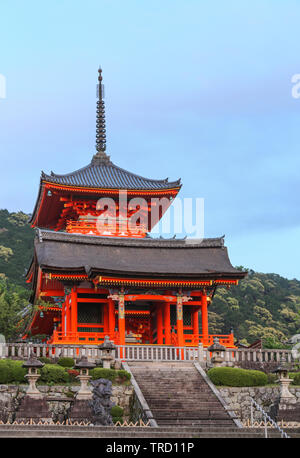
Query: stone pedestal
[[81, 410], [107, 349], [286, 408], [107, 361], [84, 393], [285, 395], [217, 361], [217, 353], [33, 408], [84, 366], [32, 390]]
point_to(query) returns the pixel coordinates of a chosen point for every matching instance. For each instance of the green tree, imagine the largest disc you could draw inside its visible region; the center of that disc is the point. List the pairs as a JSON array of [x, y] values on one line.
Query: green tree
[[13, 300]]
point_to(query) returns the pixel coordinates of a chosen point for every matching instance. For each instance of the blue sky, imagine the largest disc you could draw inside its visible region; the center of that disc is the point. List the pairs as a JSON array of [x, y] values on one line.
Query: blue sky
[[193, 89]]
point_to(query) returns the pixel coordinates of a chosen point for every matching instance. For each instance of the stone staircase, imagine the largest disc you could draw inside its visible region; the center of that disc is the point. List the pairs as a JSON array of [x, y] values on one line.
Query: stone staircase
[[173, 432], [178, 395], [181, 400]]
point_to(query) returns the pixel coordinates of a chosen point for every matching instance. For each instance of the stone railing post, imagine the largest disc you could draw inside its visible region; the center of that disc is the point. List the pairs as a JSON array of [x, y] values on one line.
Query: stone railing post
[[227, 355], [200, 353], [2, 350]]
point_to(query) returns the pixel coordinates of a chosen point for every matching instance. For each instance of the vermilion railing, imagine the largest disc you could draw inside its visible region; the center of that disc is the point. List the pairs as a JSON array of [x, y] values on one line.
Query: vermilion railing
[[193, 340], [96, 338], [85, 227], [90, 338]]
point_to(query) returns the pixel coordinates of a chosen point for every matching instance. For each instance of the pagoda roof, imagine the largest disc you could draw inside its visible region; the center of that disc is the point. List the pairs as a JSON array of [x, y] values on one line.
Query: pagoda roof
[[102, 173], [148, 257]]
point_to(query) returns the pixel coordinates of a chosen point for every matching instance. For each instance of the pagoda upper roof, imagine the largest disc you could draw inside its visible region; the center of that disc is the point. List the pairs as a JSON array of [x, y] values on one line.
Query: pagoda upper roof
[[103, 173]]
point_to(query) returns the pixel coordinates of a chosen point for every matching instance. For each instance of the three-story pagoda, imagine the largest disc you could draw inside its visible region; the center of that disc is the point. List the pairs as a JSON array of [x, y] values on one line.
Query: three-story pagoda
[[92, 280]]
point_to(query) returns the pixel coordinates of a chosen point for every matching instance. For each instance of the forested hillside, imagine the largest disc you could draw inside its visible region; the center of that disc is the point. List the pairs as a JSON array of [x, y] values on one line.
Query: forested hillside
[[263, 306], [16, 244]]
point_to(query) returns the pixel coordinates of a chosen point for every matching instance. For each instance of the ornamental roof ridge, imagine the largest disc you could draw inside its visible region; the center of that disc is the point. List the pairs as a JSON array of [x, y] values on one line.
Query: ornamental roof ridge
[[102, 172], [59, 236]]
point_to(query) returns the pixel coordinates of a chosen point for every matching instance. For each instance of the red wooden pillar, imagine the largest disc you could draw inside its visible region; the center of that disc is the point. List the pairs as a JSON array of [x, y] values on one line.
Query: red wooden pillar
[[159, 324], [111, 318], [105, 318], [204, 319], [63, 318], [74, 309], [69, 313], [179, 314], [195, 322], [121, 317], [167, 324]]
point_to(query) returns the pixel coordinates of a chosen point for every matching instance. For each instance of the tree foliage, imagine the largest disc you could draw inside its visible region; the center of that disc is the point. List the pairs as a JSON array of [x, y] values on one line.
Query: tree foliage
[[262, 306], [13, 301], [16, 245]]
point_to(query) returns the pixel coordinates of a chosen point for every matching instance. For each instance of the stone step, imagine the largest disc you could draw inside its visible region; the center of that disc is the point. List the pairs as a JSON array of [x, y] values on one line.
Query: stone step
[[168, 377], [171, 384], [114, 432], [189, 403], [182, 405], [124, 435], [178, 395], [205, 422], [180, 390], [189, 416]]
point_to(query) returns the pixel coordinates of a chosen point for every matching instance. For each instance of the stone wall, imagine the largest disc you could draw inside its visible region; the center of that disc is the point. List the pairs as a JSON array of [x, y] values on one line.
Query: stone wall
[[238, 399], [59, 399]]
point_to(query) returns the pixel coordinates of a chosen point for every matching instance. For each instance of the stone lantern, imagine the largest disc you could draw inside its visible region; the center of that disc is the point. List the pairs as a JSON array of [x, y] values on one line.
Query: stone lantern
[[107, 352], [33, 364], [84, 366], [217, 351], [284, 380]]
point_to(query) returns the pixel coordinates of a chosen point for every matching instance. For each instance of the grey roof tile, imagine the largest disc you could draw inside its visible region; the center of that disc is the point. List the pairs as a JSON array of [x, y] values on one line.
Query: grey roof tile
[[105, 174]]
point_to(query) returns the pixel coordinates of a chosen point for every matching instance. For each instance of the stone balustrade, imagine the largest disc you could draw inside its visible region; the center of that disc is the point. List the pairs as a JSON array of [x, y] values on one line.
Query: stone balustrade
[[145, 353]]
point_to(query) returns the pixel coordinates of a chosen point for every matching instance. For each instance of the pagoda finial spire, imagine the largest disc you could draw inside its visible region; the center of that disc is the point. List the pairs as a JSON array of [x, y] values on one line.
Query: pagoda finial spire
[[101, 155]]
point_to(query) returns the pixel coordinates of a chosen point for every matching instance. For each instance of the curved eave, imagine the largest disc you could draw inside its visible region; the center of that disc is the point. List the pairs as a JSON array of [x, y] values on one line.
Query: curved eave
[[107, 175], [45, 186], [113, 190], [59, 252]]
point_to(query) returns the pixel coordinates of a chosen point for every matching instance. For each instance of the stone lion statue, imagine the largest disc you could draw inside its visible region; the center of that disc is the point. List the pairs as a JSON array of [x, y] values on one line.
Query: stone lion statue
[[101, 403]]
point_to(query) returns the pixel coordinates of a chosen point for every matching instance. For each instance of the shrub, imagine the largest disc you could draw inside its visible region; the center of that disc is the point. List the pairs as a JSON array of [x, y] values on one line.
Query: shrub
[[11, 371], [116, 411], [45, 360], [116, 419], [5, 372], [110, 374], [66, 362], [72, 374], [296, 379], [17, 371], [53, 373], [232, 376], [272, 378], [99, 372], [117, 414], [121, 374]]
